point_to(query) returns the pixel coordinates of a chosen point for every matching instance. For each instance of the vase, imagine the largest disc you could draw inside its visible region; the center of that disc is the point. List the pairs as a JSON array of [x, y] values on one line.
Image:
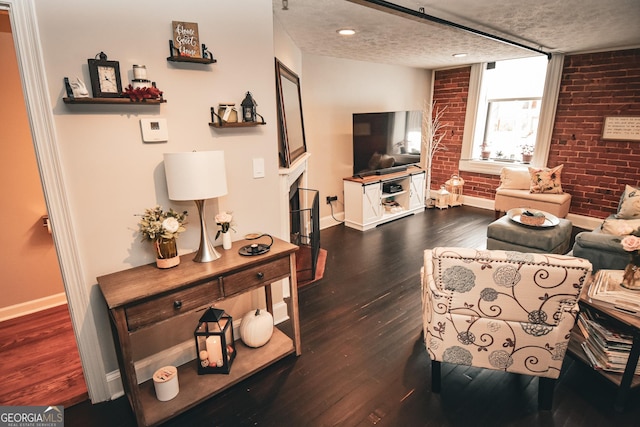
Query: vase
[[166, 253], [526, 158], [226, 241], [631, 277]]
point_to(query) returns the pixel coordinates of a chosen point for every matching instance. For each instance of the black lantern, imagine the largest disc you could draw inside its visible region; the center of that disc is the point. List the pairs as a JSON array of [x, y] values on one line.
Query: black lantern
[[248, 108], [215, 346]]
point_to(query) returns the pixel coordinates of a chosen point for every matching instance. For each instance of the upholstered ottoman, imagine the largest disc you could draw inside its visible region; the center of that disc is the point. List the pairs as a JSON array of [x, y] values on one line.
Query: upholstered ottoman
[[507, 235]]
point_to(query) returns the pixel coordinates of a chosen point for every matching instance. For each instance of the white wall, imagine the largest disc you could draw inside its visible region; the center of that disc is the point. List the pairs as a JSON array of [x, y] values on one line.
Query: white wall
[[109, 173], [332, 90]]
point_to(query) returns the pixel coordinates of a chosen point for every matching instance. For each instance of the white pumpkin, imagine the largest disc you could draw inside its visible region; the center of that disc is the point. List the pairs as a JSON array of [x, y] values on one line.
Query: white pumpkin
[[256, 328]]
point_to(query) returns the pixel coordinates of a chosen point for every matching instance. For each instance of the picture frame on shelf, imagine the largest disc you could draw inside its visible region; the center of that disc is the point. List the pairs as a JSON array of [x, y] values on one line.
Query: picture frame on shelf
[[186, 40], [105, 77], [290, 120]]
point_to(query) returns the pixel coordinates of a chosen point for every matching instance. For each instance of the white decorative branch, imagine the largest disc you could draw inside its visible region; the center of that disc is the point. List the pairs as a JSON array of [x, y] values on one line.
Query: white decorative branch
[[432, 135]]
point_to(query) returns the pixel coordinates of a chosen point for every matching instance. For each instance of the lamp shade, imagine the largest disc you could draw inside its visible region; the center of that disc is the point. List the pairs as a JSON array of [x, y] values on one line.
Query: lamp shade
[[196, 175]]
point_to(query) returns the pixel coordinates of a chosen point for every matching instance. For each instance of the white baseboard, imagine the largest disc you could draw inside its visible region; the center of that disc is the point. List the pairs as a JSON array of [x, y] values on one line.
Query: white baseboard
[[280, 313], [114, 385], [478, 202], [329, 221], [177, 355], [29, 307], [580, 221]]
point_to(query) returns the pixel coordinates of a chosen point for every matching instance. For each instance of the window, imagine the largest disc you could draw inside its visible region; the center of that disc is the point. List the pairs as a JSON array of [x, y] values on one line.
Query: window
[[508, 116], [511, 127], [510, 110]]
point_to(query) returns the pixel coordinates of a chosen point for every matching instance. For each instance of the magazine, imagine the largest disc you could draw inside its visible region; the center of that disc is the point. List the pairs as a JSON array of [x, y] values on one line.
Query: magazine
[[606, 347], [607, 290]]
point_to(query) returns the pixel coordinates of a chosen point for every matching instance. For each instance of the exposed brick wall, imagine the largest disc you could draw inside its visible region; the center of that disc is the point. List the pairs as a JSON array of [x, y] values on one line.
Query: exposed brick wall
[[593, 86], [596, 171]]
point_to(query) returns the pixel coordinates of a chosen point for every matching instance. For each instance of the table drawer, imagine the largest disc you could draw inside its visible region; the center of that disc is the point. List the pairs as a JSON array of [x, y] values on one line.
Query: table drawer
[[173, 304], [255, 276]]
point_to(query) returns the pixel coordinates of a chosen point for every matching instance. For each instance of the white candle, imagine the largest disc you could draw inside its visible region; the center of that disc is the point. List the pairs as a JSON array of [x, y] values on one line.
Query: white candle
[[139, 72], [214, 348], [165, 382]]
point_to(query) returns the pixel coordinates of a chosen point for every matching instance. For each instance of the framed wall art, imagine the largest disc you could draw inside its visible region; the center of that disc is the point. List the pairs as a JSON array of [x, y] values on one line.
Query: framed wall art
[[186, 40], [621, 128], [290, 121]]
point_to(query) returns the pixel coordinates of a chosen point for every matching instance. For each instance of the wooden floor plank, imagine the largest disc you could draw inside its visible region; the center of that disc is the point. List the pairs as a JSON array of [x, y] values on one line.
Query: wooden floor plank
[[40, 360], [363, 362]]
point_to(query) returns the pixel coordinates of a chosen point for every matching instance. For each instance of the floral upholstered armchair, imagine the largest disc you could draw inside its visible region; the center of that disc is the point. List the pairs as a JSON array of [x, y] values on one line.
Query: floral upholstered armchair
[[502, 310]]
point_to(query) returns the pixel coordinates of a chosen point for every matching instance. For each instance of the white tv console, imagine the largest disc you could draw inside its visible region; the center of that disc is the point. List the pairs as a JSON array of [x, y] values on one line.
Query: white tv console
[[366, 205]]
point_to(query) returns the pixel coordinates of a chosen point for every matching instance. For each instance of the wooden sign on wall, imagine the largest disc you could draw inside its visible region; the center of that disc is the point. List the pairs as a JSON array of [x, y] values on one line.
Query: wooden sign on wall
[[186, 39], [621, 128]]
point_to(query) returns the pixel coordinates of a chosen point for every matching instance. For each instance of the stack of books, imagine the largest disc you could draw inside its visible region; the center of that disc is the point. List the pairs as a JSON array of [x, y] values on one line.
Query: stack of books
[[607, 290], [606, 346]]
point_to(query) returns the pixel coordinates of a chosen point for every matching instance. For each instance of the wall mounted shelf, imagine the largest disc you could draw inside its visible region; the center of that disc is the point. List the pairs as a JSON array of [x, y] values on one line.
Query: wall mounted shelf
[[217, 122], [174, 55], [237, 124], [190, 59], [120, 101]]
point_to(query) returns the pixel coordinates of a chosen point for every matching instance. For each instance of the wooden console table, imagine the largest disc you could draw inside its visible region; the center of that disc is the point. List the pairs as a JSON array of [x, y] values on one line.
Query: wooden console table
[[626, 322], [147, 302]]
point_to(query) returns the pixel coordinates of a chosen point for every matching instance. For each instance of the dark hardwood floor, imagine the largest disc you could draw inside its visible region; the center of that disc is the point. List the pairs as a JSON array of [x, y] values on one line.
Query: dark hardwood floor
[[363, 362]]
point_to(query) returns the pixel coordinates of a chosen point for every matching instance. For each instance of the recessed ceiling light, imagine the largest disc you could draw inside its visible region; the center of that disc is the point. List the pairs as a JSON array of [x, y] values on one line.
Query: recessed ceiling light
[[459, 55], [346, 32]]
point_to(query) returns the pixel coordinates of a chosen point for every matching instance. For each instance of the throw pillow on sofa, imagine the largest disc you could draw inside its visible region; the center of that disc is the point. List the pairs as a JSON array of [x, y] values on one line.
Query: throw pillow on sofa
[[629, 204], [620, 227], [545, 180], [514, 179]]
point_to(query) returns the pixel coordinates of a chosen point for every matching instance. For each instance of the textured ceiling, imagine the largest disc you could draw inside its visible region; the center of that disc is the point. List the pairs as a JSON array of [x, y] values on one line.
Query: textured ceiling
[[567, 26]]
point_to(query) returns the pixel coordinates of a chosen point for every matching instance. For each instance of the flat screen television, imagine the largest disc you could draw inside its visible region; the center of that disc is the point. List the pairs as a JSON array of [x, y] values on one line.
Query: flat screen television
[[383, 141]]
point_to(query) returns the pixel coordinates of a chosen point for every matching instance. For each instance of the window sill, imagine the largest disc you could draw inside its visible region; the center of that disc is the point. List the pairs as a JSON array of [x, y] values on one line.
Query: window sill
[[489, 167]]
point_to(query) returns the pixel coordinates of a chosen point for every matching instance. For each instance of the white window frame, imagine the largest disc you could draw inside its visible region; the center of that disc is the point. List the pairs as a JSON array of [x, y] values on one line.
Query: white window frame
[[545, 125]]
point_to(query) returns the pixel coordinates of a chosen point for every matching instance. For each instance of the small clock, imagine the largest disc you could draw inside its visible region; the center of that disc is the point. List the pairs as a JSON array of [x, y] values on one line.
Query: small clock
[[105, 77]]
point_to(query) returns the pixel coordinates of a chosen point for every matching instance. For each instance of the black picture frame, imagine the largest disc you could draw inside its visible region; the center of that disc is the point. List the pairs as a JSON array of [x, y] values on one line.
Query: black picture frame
[[290, 119], [99, 91]]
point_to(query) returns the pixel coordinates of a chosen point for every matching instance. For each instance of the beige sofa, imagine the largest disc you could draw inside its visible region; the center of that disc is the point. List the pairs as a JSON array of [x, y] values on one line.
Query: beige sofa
[[514, 192]]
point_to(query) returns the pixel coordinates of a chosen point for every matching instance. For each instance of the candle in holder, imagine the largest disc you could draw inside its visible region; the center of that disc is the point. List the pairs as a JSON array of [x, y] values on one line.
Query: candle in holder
[[139, 72], [214, 349]]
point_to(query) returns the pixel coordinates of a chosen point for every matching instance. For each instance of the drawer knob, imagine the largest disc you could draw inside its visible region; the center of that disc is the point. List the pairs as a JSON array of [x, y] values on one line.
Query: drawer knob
[[177, 304], [260, 275]]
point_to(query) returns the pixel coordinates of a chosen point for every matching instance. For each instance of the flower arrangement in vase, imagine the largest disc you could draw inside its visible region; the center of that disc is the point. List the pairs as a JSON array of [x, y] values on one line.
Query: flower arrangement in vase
[[631, 276], [223, 219], [527, 153], [162, 228]]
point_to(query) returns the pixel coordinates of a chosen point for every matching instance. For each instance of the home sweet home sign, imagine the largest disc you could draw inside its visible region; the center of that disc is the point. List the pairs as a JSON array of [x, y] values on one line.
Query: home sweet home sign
[[186, 39]]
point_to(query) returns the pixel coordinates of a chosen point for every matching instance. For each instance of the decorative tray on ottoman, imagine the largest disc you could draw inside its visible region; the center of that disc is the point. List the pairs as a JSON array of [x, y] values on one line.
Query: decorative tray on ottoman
[[520, 216]]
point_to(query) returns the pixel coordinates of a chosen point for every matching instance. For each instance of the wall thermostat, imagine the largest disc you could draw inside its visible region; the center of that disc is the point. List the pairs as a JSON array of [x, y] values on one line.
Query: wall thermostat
[[154, 130]]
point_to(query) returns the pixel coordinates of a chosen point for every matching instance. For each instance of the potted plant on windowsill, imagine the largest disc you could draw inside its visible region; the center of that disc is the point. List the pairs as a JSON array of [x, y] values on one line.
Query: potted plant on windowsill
[[527, 153], [485, 152]]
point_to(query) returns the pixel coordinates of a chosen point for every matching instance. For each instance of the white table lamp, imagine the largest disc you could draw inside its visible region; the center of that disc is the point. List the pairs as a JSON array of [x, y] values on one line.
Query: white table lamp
[[197, 176]]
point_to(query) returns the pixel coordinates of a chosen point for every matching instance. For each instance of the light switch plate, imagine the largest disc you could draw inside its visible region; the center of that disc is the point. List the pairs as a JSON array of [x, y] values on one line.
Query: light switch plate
[[258, 168], [154, 130]]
